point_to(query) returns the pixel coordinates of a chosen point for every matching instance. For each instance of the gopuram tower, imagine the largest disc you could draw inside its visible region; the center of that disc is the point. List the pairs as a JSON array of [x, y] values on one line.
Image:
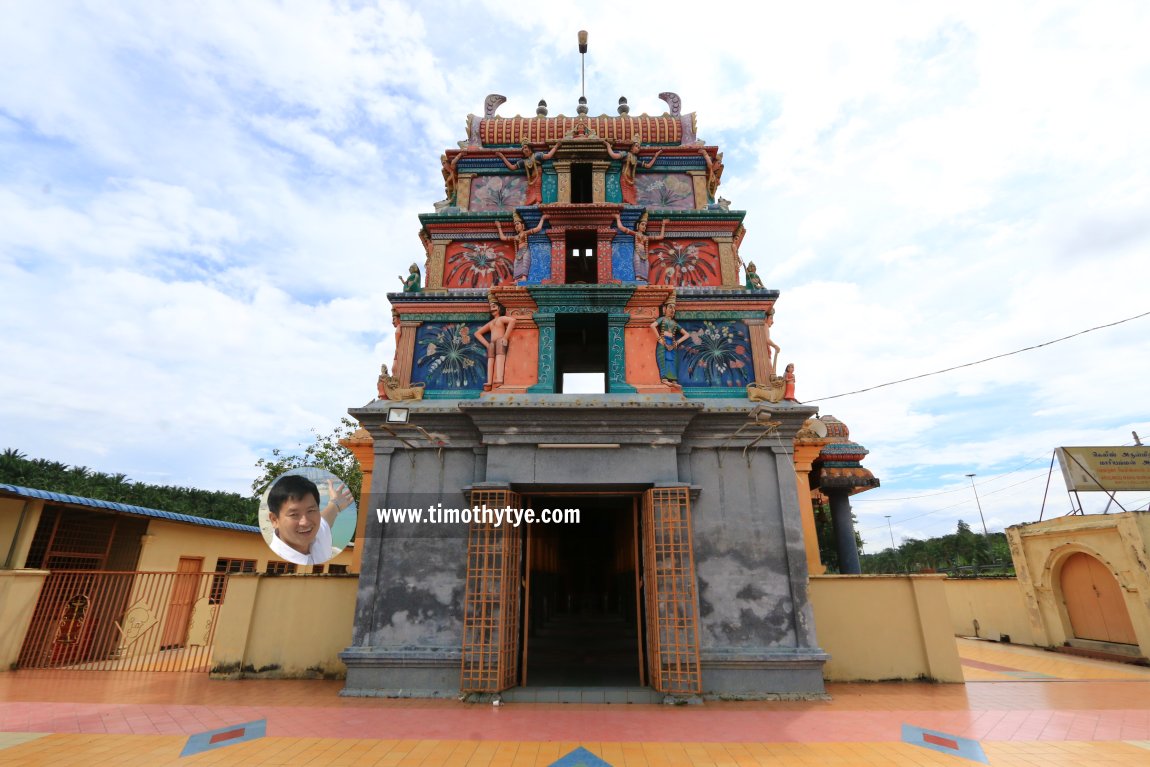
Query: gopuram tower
[[568, 248]]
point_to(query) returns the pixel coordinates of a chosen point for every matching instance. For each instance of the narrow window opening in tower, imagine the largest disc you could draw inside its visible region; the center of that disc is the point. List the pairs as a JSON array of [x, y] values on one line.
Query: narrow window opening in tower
[[581, 183], [581, 266], [581, 353]]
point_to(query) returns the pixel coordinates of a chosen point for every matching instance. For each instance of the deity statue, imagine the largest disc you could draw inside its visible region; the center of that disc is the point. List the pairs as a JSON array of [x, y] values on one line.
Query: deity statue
[[789, 383], [522, 248], [631, 165], [388, 387], [413, 282], [531, 164], [642, 241], [714, 173], [451, 177], [772, 356], [670, 336], [500, 328], [753, 281]]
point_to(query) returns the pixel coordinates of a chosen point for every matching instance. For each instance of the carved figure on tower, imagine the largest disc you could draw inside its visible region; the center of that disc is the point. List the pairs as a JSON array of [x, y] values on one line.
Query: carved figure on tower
[[642, 241], [714, 173], [388, 387], [522, 245], [451, 177], [532, 165], [670, 337], [631, 165], [754, 282], [500, 329], [413, 282], [789, 383]]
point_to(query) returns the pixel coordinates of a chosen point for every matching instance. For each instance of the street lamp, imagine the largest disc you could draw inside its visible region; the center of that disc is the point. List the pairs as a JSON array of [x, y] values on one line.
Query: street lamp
[[979, 503], [893, 548]]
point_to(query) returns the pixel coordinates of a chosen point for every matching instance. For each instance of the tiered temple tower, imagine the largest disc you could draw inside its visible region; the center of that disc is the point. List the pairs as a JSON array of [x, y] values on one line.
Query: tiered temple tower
[[585, 245]]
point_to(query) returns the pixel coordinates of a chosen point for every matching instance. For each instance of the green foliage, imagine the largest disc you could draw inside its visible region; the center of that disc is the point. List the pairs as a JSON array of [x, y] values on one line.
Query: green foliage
[[324, 452], [53, 476], [963, 552]]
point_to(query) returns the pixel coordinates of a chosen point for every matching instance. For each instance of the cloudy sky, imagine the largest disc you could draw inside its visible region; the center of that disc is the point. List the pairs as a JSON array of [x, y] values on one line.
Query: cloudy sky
[[203, 204]]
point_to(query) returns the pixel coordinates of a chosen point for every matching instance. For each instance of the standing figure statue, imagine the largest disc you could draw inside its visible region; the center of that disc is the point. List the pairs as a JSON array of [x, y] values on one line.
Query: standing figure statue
[[789, 383], [451, 178], [753, 280], [522, 246], [642, 242], [714, 173], [670, 336], [772, 356], [532, 165], [631, 165], [413, 282], [500, 328]]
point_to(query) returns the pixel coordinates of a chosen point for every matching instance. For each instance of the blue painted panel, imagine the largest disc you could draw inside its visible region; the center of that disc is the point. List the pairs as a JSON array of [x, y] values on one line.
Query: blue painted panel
[[623, 259], [447, 356], [718, 354], [540, 258], [614, 191]]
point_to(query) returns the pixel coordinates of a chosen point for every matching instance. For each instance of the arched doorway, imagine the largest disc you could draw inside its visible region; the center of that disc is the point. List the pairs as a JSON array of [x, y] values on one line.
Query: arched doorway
[[1094, 601]]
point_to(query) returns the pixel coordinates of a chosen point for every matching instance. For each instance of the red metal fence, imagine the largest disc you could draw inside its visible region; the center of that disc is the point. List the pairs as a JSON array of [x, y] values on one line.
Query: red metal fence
[[124, 621]]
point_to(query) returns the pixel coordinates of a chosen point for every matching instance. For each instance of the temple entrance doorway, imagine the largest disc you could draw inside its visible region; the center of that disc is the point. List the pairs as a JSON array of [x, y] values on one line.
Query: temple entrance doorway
[[583, 621], [552, 605]]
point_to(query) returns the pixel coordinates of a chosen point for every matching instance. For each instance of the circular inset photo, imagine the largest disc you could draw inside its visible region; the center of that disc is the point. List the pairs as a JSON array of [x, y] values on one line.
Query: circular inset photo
[[307, 516]]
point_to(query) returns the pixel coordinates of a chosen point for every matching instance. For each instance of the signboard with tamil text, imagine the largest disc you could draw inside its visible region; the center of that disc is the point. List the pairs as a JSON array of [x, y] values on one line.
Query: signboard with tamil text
[[1108, 469]]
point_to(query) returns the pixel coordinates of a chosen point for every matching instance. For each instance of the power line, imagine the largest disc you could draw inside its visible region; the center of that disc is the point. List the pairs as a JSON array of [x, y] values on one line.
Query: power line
[[946, 492], [961, 503], [978, 362]]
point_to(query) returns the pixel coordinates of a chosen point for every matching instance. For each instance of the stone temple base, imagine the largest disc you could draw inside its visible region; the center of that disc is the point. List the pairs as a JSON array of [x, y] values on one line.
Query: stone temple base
[[765, 676], [399, 674]]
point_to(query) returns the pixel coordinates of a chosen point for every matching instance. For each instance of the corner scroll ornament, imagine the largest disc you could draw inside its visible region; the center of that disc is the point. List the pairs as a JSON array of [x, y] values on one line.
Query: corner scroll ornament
[[673, 102], [490, 104]]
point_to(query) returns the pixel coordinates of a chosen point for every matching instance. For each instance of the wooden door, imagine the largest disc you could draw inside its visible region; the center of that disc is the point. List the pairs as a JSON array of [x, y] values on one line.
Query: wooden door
[[184, 589], [491, 603], [669, 588], [1094, 601]]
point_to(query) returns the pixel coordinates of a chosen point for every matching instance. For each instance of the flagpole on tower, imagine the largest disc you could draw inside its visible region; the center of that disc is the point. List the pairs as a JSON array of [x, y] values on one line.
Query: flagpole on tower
[[582, 63]]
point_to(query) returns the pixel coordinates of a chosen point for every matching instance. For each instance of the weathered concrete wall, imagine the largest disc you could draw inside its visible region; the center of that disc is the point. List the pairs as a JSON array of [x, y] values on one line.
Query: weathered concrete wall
[[885, 627], [757, 632], [997, 604]]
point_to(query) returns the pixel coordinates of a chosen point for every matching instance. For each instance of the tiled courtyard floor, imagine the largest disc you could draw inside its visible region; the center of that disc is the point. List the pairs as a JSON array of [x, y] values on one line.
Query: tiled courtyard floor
[[1020, 706]]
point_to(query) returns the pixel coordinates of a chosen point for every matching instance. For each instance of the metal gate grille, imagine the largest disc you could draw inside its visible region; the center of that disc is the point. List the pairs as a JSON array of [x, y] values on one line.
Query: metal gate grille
[[669, 565], [491, 604], [124, 621]]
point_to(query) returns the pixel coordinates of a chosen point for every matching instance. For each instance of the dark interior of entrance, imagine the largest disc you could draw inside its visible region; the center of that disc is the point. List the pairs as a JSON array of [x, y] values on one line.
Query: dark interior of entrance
[[583, 612], [581, 183], [580, 345], [580, 262]]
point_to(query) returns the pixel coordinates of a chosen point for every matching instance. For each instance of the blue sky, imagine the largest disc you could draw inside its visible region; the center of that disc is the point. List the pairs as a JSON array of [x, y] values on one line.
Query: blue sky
[[202, 205]]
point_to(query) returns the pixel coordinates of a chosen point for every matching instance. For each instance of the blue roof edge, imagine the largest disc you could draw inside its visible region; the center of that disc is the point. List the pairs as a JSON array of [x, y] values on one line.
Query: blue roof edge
[[124, 508]]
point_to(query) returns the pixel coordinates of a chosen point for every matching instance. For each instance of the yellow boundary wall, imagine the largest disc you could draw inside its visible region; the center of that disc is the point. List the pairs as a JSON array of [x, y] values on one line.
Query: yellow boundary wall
[[19, 590], [284, 626], [885, 627]]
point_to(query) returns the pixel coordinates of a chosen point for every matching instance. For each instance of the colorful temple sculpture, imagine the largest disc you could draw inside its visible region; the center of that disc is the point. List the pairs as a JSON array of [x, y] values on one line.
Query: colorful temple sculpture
[[836, 474], [569, 247]]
